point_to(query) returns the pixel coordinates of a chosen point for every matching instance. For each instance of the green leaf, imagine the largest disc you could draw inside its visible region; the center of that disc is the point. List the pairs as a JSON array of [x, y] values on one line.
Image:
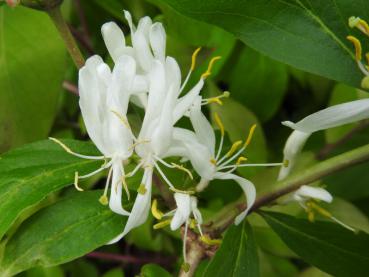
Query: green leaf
[[28, 174], [325, 245], [237, 255], [115, 272], [309, 35], [153, 270], [255, 78], [69, 229], [32, 62]]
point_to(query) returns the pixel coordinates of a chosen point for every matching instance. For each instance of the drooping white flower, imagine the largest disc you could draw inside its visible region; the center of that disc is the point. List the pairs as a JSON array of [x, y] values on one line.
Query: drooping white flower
[[200, 148], [328, 118], [104, 97], [307, 197]]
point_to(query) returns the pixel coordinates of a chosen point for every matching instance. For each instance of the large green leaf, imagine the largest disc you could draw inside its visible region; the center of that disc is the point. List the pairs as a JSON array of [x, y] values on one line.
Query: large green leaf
[[237, 255], [32, 64], [62, 232], [309, 35], [325, 245], [28, 174]]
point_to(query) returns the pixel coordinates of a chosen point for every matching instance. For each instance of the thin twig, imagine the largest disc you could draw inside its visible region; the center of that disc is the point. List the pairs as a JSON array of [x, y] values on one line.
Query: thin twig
[[68, 86], [164, 191], [327, 149], [129, 258], [81, 38]]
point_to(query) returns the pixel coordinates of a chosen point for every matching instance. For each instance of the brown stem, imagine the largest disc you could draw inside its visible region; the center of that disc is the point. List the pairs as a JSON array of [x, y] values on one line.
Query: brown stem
[[70, 43], [194, 256], [68, 86], [81, 38], [327, 149]]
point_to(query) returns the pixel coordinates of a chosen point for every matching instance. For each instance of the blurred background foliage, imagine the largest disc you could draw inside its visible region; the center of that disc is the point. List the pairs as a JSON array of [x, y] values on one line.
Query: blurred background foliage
[[38, 87]]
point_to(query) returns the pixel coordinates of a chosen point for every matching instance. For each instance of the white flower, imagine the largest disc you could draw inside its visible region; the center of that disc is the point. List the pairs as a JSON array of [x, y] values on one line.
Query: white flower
[[307, 197], [199, 148], [328, 118], [104, 97]]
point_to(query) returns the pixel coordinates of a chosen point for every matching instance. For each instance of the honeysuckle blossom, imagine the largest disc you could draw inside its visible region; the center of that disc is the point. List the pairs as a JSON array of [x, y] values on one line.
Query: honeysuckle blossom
[[104, 97], [328, 118], [200, 148], [307, 197]]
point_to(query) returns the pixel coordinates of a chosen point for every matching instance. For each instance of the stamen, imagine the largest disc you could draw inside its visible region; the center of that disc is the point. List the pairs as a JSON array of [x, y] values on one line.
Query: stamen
[[193, 223], [141, 189], [192, 68], [193, 58], [248, 165], [121, 118], [219, 123], [233, 148], [240, 160], [343, 224], [184, 248], [162, 224], [76, 182], [181, 167], [186, 267], [163, 176], [207, 240], [155, 211], [286, 163], [215, 99], [68, 150], [138, 143], [359, 23], [213, 161], [104, 166], [357, 45], [134, 171], [211, 63], [104, 199], [249, 137], [125, 186]]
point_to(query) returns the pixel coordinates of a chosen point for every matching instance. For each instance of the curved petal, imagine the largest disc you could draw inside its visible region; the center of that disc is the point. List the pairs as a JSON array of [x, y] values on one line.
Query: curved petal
[[247, 187], [333, 116], [185, 102], [292, 148], [140, 209], [173, 74], [195, 210], [157, 40], [114, 40], [183, 211], [306, 192], [115, 200], [143, 53], [202, 126]]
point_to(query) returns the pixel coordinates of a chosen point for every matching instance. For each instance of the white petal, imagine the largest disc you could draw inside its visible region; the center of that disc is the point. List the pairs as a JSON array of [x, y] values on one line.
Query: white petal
[[128, 17], [173, 74], [314, 193], [144, 26], [158, 40], [247, 187], [143, 53], [333, 116], [195, 210], [115, 200], [183, 211], [292, 149], [186, 101], [202, 126], [141, 207], [114, 40]]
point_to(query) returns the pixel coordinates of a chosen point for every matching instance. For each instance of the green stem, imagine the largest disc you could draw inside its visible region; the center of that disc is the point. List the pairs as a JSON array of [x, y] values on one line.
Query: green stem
[[70, 43], [225, 217]]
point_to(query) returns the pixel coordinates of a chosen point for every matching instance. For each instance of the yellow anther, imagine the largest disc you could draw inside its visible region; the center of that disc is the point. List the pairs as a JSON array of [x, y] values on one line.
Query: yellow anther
[[162, 224], [181, 167], [353, 21], [240, 160], [193, 223], [226, 94], [215, 100], [234, 148], [66, 148], [286, 163], [249, 137], [141, 189], [190, 192], [311, 216], [155, 211], [104, 200], [357, 46], [186, 267], [122, 119], [211, 63], [213, 161], [76, 182], [219, 123], [207, 240], [359, 23], [320, 210], [365, 82], [194, 57]]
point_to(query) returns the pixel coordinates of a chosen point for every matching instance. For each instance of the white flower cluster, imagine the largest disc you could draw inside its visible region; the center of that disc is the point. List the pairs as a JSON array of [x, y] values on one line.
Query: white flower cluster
[[144, 75]]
